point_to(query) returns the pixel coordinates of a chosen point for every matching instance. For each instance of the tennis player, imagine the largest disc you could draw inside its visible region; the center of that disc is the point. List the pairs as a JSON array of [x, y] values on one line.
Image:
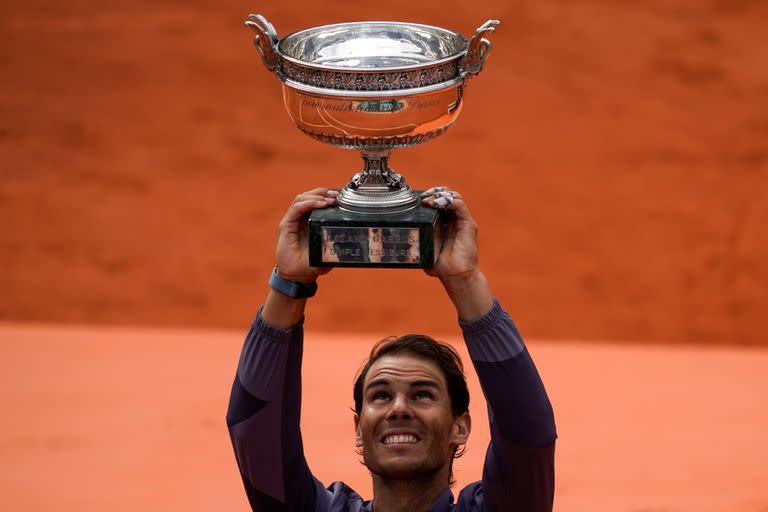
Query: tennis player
[[411, 400]]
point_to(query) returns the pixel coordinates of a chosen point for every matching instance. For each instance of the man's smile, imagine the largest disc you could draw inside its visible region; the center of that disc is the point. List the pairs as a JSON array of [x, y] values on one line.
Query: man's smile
[[396, 438]]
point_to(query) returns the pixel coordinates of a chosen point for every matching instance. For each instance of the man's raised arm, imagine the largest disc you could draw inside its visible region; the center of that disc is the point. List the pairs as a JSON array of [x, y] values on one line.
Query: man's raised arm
[[265, 404], [518, 475]]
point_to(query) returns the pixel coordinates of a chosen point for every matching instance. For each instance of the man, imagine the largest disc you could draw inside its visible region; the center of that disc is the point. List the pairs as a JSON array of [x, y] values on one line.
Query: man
[[411, 403]]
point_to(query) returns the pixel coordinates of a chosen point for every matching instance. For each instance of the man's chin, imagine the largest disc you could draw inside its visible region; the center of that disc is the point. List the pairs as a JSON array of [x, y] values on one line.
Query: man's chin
[[400, 468]]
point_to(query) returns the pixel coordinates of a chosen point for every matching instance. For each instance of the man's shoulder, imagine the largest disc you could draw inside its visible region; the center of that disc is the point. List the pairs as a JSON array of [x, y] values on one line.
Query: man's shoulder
[[470, 498], [342, 498]]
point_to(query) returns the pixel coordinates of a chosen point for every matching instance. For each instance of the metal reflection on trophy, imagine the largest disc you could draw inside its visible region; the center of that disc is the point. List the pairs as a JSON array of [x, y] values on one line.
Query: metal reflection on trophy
[[373, 87]]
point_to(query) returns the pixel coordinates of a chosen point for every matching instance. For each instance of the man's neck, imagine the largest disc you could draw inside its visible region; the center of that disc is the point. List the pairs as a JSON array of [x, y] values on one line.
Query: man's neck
[[411, 495]]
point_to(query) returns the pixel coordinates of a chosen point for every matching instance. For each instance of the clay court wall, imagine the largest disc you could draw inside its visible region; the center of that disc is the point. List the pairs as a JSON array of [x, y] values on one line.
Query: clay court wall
[[615, 156]]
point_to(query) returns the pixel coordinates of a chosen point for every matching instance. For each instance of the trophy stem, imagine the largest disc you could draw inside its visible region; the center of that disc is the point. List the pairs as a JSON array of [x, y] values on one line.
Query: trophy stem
[[377, 187], [377, 173]]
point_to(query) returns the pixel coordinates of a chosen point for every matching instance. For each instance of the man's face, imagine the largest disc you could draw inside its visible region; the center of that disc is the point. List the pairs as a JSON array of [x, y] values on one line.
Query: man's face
[[406, 427]]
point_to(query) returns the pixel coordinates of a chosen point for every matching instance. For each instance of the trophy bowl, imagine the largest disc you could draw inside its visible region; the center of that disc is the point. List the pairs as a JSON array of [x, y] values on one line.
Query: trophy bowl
[[373, 86]]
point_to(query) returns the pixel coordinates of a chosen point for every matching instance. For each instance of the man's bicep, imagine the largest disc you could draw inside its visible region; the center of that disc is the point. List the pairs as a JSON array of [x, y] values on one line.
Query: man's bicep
[[518, 406], [270, 456], [519, 478], [263, 420]]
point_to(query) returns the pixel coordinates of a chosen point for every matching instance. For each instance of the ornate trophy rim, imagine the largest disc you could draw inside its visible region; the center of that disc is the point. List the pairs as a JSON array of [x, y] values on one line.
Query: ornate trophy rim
[[320, 29], [440, 55]]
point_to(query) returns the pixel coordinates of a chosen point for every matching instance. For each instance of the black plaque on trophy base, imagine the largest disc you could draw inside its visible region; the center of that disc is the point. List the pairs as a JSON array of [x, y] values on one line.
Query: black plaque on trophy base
[[339, 238]]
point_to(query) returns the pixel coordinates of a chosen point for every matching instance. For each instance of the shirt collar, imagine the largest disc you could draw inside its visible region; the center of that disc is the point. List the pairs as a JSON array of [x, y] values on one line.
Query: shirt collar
[[443, 503]]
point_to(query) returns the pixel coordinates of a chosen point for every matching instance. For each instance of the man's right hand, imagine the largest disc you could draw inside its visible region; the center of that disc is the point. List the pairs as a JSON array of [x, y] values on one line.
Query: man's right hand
[[293, 257], [293, 238]]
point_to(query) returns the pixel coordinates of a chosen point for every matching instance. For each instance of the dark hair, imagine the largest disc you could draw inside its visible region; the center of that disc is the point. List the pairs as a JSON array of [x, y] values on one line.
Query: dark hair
[[424, 347]]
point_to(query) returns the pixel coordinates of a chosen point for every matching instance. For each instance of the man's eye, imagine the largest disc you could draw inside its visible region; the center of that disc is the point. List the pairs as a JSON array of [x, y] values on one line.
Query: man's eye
[[423, 394], [380, 396]]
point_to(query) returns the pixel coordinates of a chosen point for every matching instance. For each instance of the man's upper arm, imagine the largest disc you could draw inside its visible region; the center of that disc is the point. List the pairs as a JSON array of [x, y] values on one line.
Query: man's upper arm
[[263, 420], [519, 470]]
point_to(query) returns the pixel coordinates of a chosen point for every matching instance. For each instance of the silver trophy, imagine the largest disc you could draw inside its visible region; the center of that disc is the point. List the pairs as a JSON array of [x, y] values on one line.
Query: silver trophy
[[373, 86]]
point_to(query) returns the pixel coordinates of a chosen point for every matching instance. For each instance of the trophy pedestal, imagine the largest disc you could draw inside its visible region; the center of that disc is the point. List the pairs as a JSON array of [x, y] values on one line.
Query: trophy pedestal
[[340, 238]]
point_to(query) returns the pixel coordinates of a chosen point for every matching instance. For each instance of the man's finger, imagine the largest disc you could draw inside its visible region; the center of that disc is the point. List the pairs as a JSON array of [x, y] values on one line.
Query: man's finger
[[306, 197], [442, 202], [453, 203], [304, 206], [432, 191], [438, 192], [441, 199], [312, 203], [316, 193]]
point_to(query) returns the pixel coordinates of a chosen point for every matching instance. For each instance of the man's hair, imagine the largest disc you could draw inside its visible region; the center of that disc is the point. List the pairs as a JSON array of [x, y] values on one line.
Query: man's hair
[[423, 347]]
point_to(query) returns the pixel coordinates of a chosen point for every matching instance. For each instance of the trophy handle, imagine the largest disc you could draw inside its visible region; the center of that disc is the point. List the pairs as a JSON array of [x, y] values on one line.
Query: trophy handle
[[266, 40], [479, 48]]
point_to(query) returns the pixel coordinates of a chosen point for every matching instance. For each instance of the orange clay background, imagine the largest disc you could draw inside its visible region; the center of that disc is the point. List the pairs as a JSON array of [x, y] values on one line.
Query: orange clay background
[[614, 154]]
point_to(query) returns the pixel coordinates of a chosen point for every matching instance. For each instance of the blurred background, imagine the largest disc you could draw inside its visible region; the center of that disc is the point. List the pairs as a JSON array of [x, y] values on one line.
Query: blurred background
[[615, 155]]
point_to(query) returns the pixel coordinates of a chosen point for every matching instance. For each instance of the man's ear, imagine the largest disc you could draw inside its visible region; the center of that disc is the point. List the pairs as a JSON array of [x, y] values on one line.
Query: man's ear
[[462, 425], [358, 432]]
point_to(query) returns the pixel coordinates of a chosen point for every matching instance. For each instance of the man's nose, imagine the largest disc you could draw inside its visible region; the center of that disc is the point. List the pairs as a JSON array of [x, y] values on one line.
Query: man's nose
[[400, 408]]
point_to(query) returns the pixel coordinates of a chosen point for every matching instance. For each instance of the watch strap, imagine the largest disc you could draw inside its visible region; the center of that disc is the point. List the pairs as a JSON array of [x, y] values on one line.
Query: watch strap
[[292, 289]]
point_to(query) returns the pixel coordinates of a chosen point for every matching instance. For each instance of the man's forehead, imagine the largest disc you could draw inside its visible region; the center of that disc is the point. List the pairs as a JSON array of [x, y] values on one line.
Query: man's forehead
[[404, 368]]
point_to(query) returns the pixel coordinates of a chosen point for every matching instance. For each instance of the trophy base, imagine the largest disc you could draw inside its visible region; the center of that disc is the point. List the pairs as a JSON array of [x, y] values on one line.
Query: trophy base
[[405, 239]]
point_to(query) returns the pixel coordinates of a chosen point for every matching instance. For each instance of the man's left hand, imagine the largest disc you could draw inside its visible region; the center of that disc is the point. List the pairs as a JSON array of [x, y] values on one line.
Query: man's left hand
[[456, 243]]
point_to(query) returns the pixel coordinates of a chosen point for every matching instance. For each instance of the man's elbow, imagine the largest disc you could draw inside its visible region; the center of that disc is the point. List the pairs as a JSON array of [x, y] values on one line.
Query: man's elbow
[[242, 404]]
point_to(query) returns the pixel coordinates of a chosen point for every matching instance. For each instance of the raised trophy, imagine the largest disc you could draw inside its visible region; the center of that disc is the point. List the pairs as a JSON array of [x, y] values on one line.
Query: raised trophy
[[373, 86]]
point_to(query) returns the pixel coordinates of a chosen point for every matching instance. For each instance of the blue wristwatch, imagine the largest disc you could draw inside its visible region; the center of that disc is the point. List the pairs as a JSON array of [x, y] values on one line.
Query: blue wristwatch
[[291, 288]]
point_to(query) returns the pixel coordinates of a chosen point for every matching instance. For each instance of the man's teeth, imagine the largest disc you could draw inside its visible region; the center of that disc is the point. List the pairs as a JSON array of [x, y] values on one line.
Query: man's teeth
[[401, 439]]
